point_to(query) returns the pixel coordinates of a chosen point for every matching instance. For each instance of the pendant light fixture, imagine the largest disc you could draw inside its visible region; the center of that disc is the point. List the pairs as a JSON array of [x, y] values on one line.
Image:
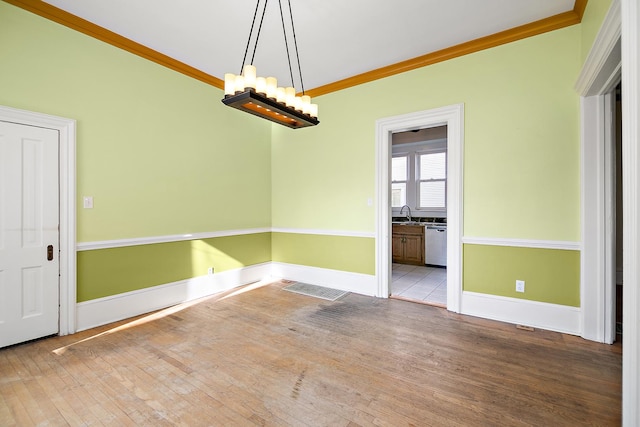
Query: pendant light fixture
[[262, 96]]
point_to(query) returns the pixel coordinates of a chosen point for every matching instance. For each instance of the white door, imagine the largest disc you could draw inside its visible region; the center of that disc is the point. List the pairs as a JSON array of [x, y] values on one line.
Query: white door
[[29, 236]]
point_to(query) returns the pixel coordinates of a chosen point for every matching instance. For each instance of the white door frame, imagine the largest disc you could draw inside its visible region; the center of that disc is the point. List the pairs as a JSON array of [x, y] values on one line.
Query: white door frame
[[453, 117], [622, 24], [67, 180], [630, 13], [599, 76]]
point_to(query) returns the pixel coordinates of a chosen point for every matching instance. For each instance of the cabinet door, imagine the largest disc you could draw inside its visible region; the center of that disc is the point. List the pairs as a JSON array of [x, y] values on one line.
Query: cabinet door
[[397, 247], [414, 249]]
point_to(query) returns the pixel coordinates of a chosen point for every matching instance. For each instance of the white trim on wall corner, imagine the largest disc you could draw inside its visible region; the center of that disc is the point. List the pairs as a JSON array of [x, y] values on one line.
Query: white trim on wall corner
[[120, 243], [542, 315], [523, 243]]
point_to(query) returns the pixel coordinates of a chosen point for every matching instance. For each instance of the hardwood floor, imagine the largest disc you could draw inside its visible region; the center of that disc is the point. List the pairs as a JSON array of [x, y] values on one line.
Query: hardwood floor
[[271, 357]]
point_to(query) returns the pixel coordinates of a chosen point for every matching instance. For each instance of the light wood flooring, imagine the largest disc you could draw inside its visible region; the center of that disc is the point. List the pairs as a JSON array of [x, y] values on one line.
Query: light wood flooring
[[271, 357]]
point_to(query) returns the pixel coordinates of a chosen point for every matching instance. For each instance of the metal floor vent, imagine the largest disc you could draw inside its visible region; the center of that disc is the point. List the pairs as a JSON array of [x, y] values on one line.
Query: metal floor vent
[[315, 291]]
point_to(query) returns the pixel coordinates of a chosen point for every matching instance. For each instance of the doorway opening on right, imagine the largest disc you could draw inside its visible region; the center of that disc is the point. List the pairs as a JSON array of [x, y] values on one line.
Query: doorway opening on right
[[419, 215]]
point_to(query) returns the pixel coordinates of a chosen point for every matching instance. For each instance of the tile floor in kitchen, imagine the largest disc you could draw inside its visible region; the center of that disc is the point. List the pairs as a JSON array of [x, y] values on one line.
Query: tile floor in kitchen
[[420, 283]]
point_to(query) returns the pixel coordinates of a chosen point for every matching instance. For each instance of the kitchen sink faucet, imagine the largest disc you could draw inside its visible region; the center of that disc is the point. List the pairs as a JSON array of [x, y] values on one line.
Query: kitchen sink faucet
[[408, 213]]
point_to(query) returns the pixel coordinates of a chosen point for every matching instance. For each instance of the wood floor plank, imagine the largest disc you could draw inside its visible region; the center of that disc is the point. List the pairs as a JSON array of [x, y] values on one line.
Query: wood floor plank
[[268, 357]]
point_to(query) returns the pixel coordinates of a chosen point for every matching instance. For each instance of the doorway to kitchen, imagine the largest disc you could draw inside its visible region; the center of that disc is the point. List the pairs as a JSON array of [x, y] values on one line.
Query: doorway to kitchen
[[419, 215], [450, 118]]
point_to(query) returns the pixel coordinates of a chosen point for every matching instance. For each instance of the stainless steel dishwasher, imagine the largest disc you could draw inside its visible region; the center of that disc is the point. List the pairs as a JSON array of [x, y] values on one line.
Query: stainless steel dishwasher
[[435, 245]]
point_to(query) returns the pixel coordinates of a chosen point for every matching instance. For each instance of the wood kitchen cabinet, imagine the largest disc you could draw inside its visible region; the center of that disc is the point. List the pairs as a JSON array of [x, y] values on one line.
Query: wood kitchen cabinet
[[407, 244]]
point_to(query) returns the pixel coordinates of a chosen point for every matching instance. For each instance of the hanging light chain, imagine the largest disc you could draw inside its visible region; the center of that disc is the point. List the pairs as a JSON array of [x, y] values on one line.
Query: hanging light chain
[[264, 9], [286, 43], [246, 50], [295, 43]]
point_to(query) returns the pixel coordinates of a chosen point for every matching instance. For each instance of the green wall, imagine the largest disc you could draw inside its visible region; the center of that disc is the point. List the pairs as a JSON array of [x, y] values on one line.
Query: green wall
[[158, 151], [550, 275], [521, 143], [521, 153], [355, 254], [107, 272], [162, 156]]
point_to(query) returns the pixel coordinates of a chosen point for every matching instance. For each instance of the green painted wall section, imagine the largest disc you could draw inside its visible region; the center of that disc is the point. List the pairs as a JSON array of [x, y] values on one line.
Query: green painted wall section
[[521, 143], [550, 275], [592, 20], [158, 151], [107, 272], [354, 254], [161, 155]]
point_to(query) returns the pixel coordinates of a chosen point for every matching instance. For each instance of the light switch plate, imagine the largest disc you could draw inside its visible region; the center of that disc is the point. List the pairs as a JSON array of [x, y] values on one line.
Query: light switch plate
[[87, 202]]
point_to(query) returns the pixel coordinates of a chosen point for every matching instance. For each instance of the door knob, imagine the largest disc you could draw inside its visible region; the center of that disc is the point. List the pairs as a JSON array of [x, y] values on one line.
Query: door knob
[[50, 253]]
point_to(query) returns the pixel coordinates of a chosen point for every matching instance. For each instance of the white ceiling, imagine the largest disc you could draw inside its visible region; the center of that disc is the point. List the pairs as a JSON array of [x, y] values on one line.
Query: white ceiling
[[336, 38]]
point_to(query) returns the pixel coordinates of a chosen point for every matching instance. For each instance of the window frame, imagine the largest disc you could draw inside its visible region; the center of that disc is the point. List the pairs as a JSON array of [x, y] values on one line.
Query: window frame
[[412, 151], [419, 179]]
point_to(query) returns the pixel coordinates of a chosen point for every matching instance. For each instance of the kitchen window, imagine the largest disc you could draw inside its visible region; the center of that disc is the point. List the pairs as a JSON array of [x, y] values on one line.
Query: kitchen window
[[419, 178], [399, 172], [432, 180]]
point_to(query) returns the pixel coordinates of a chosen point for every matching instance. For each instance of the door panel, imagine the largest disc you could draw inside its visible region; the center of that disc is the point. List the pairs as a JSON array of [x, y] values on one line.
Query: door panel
[[29, 221]]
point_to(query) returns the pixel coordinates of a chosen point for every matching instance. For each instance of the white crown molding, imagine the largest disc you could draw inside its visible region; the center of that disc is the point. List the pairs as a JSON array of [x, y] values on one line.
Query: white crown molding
[[542, 315], [108, 244], [523, 243], [592, 80]]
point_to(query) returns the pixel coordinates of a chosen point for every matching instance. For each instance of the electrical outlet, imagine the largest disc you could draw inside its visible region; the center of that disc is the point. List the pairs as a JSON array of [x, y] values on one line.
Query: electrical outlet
[[210, 270], [519, 285]]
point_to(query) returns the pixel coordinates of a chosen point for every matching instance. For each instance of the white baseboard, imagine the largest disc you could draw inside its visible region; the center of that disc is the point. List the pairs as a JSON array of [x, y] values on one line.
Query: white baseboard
[[359, 283], [113, 308], [552, 317], [109, 309]]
